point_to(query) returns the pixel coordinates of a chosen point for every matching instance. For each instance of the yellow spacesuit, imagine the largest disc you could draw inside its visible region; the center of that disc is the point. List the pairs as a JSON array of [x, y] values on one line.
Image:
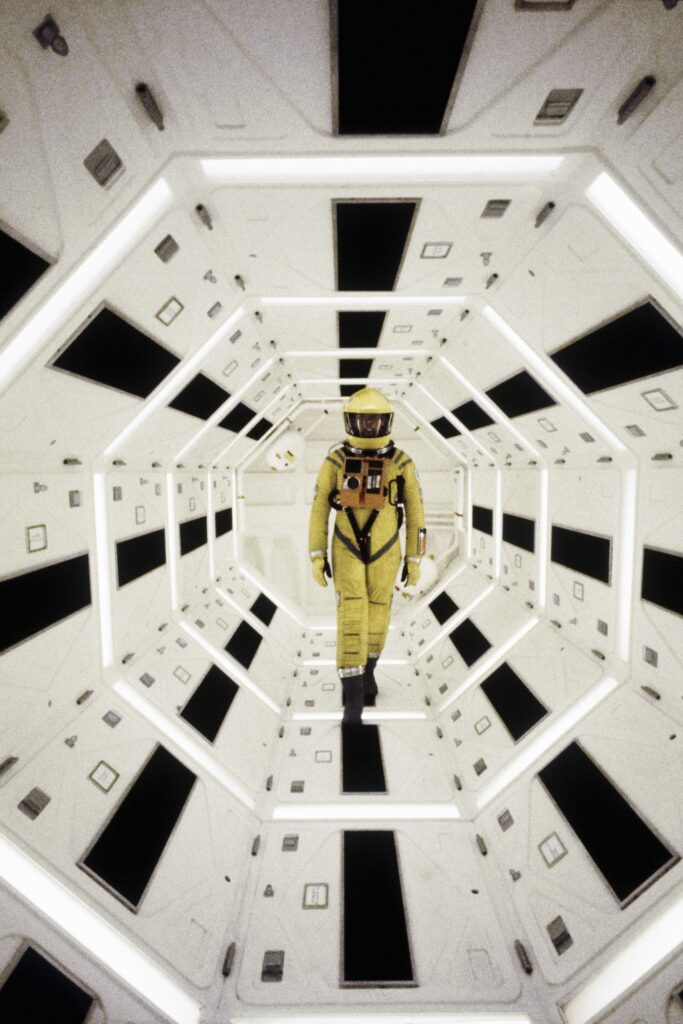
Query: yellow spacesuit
[[369, 482]]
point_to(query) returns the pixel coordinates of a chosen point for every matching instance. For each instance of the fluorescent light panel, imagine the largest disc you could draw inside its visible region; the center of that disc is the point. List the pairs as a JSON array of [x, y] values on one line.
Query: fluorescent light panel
[[543, 528], [357, 353], [331, 661], [171, 540], [369, 715], [366, 812], [391, 1018], [103, 572], [627, 548], [363, 300]]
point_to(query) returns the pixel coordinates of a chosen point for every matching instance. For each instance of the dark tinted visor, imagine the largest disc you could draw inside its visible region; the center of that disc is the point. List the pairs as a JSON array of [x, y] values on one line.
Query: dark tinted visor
[[368, 424]]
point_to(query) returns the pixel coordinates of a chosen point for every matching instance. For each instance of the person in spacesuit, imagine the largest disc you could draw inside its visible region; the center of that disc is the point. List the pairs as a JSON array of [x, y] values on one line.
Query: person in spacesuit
[[370, 483]]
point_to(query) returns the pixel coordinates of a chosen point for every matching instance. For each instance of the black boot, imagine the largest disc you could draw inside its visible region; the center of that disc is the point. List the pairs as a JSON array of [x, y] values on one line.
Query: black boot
[[370, 690], [353, 700]]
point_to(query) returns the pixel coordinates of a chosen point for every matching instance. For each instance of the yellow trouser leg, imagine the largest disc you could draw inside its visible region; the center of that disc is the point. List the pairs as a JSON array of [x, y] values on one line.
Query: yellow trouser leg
[[352, 607], [380, 587]]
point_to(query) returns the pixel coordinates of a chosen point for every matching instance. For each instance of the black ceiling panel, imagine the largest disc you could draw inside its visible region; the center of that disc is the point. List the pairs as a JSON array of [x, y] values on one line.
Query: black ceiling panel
[[346, 390], [396, 65], [355, 367], [21, 268], [472, 415], [36, 990], [371, 239], [637, 344], [360, 329], [237, 418], [111, 351], [520, 394], [200, 398], [445, 427], [260, 428]]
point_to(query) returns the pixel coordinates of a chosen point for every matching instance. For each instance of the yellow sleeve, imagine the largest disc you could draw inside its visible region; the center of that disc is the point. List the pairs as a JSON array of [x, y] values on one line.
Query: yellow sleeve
[[320, 511], [415, 515]]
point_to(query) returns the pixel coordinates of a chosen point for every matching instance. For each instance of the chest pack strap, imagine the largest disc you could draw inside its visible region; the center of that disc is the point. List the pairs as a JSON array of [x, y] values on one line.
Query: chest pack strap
[[362, 535]]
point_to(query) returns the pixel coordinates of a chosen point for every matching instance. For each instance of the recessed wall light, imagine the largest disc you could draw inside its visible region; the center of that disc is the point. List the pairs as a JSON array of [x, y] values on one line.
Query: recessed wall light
[[435, 250], [558, 105], [452, 282]]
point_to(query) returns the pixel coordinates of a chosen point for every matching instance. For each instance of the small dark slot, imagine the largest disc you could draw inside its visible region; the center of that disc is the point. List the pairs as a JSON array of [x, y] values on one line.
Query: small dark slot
[[193, 534], [359, 329], [111, 351], [36, 990], [625, 850], [582, 552], [362, 768], [128, 850], [200, 398], [663, 579], [237, 418], [443, 607], [264, 609], [482, 519], [376, 947], [371, 238], [520, 531], [637, 344], [472, 415], [139, 555], [514, 703], [223, 521], [469, 642], [375, 96], [210, 703], [243, 644], [355, 367], [33, 601], [260, 428], [445, 427], [21, 268], [519, 395]]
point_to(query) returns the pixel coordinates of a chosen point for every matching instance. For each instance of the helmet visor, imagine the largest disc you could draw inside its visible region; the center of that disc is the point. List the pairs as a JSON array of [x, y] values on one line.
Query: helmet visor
[[368, 424]]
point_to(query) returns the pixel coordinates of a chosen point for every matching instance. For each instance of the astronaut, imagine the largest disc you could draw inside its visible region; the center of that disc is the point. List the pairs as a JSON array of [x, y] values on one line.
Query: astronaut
[[369, 482]]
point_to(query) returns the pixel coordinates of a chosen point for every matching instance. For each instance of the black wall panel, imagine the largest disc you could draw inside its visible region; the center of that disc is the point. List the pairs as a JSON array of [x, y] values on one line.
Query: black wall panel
[[243, 644], [443, 607], [371, 238], [637, 344], [36, 991], [445, 427], [520, 531], [516, 706], [111, 351], [200, 398], [482, 519], [472, 415], [193, 534], [663, 579], [582, 552], [128, 850], [362, 768], [469, 642], [237, 418], [21, 268], [520, 394], [36, 600], [209, 704], [223, 521], [264, 609], [260, 428], [623, 847], [139, 555]]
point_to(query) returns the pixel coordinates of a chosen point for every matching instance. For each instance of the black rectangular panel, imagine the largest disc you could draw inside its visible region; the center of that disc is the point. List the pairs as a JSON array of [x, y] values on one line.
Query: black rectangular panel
[[469, 642], [264, 609], [445, 427], [582, 552], [346, 390], [623, 847], [355, 367], [376, 948], [200, 398], [443, 607], [37, 991], [193, 534], [223, 521], [243, 644], [36, 600], [359, 329], [375, 94], [514, 703], [21, 268], [139, 555], [237, 418], [663, 579], [472, 415], [130, 847], [111, 351], [210, 703], [637, 344], [519, 395], [362, 768], [520, 531], [482, 519], [260, 428], [371, 238]]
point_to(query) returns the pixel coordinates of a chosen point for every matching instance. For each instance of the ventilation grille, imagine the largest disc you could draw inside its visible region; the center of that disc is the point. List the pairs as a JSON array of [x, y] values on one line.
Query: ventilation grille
[[495, 208], [558, 105]]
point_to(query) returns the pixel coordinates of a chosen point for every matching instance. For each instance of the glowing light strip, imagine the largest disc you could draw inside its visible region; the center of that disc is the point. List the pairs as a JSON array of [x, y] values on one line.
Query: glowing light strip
[[645, 951], [468, 515], [103, 571], [86, 277], [212, 523], [376, 169], [552, 380], [363, 300], [355, 353], [191, 747], [545, 739], [450, 624], [543, 534], [369, 715], [173, 383], [95, 934], [627, 547], [331, 661], [391, 1018], [637, 229], [498, 525], [485, 666], [171, 540], [366, 812], [230, 666]]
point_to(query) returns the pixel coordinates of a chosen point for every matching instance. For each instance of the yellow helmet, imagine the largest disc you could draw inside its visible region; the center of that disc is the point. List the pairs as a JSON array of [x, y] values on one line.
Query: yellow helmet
[[368, 416]]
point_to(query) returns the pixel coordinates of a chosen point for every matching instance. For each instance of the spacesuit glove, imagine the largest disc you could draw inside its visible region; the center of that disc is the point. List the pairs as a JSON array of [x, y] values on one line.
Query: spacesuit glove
[[412, 571], [319, 564]]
